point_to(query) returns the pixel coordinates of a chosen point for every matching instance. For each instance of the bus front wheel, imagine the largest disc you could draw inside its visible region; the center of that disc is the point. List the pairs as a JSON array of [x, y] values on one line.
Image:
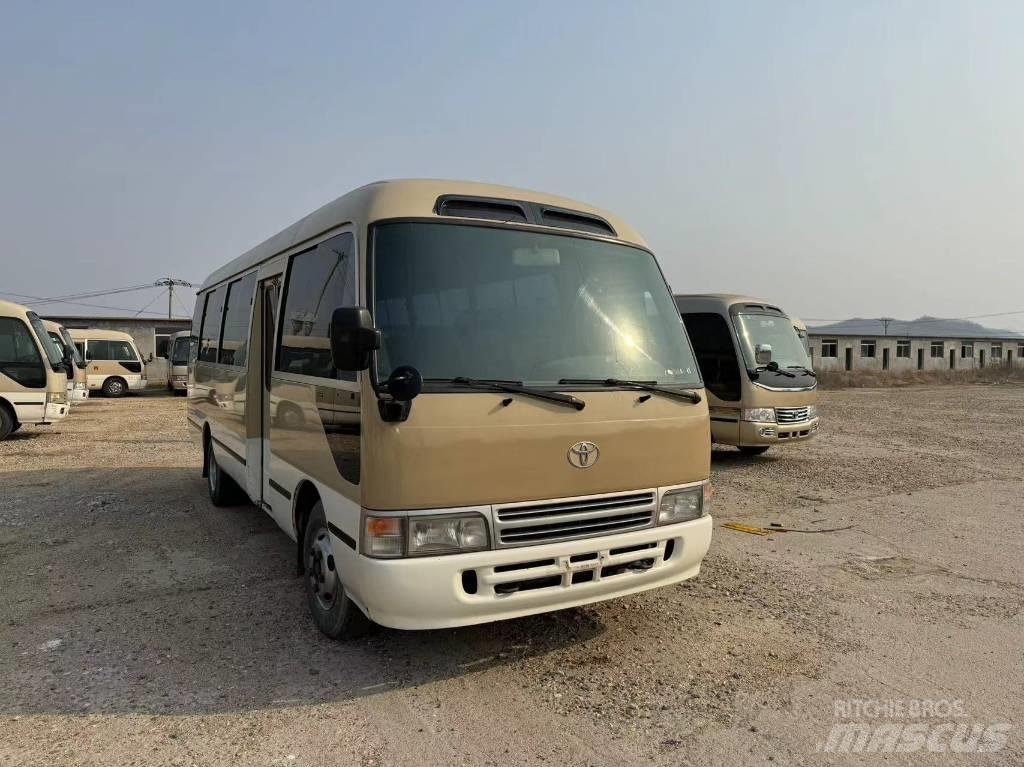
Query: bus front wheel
[[223, 489], [333, 612], [7, 423]]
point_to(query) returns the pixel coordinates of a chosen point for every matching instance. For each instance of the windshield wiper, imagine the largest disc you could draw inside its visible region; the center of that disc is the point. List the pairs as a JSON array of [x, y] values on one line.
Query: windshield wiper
[[805, 371], [780, 371], [514, 387], [689, 396]]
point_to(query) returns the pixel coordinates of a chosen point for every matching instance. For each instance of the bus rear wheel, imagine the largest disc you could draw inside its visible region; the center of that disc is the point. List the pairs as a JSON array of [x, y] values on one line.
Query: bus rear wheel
[[114, 387], [224, 491], [753, 449], [333, 612], [7, 423]]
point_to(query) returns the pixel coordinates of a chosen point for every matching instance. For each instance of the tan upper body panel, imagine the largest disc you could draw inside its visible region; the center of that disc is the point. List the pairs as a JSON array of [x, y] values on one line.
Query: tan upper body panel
[[408, 198], [98, 334], [719, 302]]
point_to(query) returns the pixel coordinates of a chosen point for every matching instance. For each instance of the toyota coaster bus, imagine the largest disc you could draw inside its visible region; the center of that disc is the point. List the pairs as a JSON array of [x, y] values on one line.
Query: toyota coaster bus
[[33, 372], [496, 408], [760, 386], [78, 389], [113, 365], [179, 348]]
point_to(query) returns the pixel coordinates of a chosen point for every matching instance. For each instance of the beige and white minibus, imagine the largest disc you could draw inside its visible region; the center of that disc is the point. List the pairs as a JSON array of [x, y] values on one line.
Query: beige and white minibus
[[78, 389], [113, 365], [496, 408], [760, 386], [33, 372], [179, 348]]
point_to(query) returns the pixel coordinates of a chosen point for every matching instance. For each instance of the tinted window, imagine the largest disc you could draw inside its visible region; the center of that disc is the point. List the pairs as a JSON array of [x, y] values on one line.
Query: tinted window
[[180, 350], [121, 351], [234, 345], [209, 338], [319, 281], [19, 356], [716, 353]]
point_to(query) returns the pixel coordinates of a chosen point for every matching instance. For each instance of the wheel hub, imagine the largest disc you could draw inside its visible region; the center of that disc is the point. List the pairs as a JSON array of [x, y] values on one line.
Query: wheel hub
[[321, 571]]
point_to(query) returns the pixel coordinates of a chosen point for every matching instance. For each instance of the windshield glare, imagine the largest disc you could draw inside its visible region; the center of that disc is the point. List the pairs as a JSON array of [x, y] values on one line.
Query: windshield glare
[[775, 330], [484, 302]]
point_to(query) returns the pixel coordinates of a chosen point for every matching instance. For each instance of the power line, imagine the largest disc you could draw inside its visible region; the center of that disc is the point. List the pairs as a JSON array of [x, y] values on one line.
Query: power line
[[868, 322], [140, 311], [92, 294], [38, 300]]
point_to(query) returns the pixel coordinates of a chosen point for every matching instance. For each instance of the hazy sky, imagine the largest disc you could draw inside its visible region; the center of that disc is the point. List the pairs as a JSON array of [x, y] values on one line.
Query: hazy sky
[[842, 159]]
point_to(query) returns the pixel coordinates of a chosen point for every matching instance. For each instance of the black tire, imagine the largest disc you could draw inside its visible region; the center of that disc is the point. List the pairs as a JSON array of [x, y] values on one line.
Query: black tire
[[754, 449], [115, 387], [7, 423], [333, 612], [224, 491]]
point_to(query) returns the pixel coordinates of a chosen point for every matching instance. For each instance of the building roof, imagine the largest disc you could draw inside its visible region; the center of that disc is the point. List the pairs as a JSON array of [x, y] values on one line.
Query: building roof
[[401, 198], [922, 327]]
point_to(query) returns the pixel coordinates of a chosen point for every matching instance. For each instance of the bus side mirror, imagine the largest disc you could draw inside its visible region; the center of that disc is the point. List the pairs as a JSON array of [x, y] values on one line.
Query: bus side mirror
[[353, 338], [763, 354]]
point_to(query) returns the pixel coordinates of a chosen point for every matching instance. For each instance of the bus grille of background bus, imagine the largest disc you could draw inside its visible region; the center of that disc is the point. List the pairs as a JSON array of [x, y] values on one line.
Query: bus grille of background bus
[[791, 414], [553, 521]]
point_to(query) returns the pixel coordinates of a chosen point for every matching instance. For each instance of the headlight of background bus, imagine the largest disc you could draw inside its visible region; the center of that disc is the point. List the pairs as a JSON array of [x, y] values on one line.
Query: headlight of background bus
[[57, 398], [423, 535], [684, 505], [759, 414]]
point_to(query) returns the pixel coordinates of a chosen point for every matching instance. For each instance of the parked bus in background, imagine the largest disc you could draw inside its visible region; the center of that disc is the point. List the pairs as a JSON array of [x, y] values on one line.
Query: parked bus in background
[[33, 372], [497, 409], [179, 347], [113, 365], [761, 389], [78, 390]]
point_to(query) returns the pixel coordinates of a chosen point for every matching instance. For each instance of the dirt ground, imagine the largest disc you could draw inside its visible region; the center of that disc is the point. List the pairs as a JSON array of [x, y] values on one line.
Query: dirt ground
[[140, 625]]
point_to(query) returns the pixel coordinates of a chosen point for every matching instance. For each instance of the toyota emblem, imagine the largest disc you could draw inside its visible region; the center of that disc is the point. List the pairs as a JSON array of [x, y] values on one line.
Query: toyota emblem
[[583, 455]]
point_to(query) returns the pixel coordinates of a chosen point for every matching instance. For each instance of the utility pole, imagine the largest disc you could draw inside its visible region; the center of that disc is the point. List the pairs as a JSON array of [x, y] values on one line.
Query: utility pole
[[885, 324], [169, 283]]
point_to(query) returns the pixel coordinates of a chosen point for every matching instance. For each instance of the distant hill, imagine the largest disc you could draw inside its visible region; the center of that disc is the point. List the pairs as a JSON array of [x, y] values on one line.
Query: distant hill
[[922, 327]]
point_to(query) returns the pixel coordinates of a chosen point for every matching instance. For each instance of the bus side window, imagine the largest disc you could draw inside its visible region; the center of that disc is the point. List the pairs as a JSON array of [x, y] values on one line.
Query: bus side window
[[19, 357], [716, 354]]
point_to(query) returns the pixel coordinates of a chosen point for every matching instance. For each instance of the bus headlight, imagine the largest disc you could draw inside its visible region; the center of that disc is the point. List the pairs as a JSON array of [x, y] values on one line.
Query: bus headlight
[[759, 414], [57, 398], [447, 534], [423, 535], [684, 505], [812, 412]]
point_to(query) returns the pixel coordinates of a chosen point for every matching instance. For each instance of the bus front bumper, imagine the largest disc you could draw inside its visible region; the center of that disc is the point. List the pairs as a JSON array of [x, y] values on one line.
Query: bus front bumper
[[754, 433], [178, 383], [465, 589]]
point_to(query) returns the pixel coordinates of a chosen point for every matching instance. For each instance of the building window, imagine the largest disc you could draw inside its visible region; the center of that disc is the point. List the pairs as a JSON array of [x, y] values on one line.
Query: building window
[[1020, 350], [162, 340], [867, 348], [997, 351], [830, 348], [938, 349], [966, 350], [903, 349]]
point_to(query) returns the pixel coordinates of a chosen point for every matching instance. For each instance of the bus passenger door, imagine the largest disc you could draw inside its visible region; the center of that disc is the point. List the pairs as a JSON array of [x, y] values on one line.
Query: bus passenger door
[[274, 497]]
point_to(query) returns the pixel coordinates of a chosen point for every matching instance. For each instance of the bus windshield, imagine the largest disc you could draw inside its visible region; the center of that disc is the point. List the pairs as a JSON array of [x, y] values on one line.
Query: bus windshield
[[776, 331], [180, 350], [495, 303], [69, 343], [53, 353]]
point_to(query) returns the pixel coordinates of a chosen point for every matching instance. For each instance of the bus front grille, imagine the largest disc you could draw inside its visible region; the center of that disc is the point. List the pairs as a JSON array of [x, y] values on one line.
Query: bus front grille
[[526, 524], [791, 414]]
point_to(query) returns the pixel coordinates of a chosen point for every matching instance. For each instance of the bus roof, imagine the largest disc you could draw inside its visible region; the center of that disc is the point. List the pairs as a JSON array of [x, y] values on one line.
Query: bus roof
[[404, 198], [11, 309], [99, 334], [50, 325], [724, 301]]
